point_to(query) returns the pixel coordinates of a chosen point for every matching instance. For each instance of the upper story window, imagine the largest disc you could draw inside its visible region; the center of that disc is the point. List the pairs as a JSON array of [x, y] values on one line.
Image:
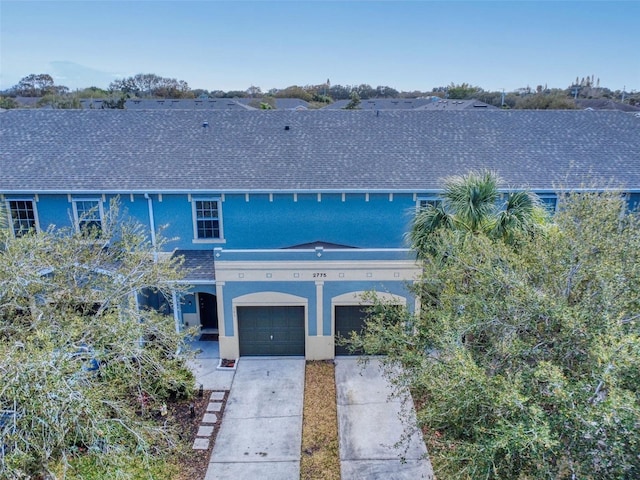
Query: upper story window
[[23, 216], [207, 219], [88, 215], [424, 202]]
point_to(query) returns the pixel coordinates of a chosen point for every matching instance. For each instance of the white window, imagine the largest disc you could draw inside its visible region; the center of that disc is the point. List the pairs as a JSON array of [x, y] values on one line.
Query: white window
[[88, 215], [207, 219], [424, 202], [23, 216]]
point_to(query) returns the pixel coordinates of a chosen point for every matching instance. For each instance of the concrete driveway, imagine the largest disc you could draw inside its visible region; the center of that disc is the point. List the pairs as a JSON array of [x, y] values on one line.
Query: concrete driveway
[[261, 433], [369, 427]]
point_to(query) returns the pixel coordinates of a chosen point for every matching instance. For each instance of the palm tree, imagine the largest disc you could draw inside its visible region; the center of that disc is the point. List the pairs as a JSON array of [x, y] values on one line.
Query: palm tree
[[4, 225], [470, 204], [3, 217]]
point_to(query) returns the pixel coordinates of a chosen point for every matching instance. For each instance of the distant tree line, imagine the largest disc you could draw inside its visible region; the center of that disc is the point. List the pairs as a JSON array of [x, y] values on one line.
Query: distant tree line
[[150, 85]]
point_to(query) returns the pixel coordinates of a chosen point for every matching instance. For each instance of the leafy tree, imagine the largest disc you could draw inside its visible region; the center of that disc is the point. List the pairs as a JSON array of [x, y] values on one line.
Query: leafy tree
[[463, 91], [92, 92], [495, 99], [354, 103], [294, 91], [364, 91], [151, 85], [339, 92], [386, 92], [83, 368], [326, 99], [115, 103], [470, 205], [234, 94], [59, 101], [37, 85], [200, 93], [545, 102], [254, 91], [8, 103], [524, 363]]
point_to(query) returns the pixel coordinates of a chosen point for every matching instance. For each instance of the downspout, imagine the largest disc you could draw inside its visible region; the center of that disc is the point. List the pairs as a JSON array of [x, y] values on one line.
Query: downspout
[[176, 318], [152, 227], [176, 311]]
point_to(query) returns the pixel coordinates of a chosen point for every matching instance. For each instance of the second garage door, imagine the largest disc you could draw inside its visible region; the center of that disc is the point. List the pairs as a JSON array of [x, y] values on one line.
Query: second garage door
[[273, 330], [348, 318]]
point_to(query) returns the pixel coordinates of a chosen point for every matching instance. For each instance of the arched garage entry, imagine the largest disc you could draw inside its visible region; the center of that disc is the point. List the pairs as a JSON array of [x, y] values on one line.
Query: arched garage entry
[[349, 313], [271, 323]]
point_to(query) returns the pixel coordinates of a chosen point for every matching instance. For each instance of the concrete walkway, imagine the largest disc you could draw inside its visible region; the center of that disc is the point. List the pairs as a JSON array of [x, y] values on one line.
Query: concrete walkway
[[369, 427], [204, 367], [261, 430]]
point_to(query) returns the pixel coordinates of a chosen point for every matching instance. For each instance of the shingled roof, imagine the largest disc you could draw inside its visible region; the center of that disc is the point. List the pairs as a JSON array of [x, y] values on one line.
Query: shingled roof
[[382, 104], [164, 151], [446, 104], [176, 104]]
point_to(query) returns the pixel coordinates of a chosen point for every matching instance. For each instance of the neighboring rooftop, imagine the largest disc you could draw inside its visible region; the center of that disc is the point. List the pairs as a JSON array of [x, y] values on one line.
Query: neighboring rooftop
[[226, 150], [383, 104], [175, 104], [280, 103], [446, 104], [605, 104], [182, 103], [432, 103]]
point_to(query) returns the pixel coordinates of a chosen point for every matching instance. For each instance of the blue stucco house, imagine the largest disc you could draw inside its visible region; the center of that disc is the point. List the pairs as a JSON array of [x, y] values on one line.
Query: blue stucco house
[[285, 218]]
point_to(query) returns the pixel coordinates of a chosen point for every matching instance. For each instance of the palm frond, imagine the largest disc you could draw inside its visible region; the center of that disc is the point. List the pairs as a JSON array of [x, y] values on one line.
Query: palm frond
[[472, 199], [427, 221], [4, 219], [519, 215]]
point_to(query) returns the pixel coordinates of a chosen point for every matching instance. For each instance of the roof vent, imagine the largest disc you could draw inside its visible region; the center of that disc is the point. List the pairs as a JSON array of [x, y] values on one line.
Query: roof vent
[[205, 124], [286, 127]]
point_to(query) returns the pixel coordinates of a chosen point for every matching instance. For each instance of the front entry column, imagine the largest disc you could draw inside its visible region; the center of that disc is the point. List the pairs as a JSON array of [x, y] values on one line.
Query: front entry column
[[319, 347], [229, 347]]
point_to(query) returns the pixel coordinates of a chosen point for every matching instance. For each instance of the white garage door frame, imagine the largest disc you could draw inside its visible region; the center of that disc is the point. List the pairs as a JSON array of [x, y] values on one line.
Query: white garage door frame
[[269, 299]]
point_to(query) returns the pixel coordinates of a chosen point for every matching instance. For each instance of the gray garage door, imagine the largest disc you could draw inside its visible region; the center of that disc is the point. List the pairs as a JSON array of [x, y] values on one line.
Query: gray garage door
[[271, 330], [348, 318]]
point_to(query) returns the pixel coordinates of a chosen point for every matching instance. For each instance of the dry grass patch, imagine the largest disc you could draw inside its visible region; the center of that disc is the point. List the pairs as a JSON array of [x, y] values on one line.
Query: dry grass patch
[[320, 458]]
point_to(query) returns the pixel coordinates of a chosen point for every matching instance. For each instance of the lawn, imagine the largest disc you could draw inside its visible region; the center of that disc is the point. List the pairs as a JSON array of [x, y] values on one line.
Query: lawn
[[320, 459]]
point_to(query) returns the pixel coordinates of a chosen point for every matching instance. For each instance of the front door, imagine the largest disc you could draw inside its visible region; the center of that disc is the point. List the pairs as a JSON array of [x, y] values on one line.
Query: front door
[[208, 311]]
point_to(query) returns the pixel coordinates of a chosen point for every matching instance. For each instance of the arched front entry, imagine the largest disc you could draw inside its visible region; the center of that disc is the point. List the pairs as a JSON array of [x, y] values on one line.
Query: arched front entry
[[208, 312]]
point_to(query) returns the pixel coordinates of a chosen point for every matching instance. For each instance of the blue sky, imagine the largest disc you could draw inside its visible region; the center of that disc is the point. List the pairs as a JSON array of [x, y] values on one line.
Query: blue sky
[[407, 45]]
